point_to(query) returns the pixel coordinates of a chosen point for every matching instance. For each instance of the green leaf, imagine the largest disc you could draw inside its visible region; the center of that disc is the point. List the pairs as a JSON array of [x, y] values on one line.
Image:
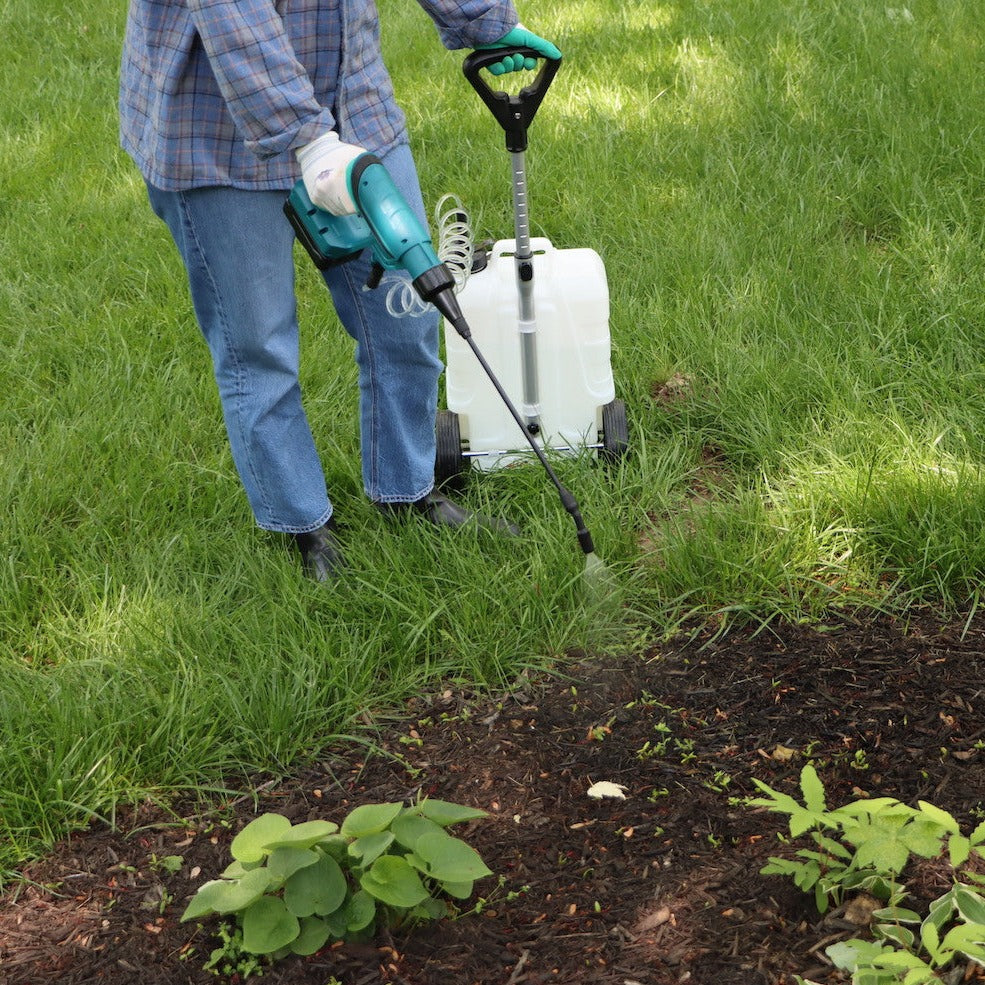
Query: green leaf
[[821, 901], [458, 890], [320, 888], [930, 937], [970, 905], [284, 862], [833, 847], [897, 914], [967, 938], [409, 827], [780, 867], [359, 911], [445, 814], [335, 922], [978, 835], [941, 817], [875, 976], [778, 803], [902, 936], [875, 827], [901, 960], [370, 847], [304, 835], [268, 926], [203, 902], [313, 936], [813, 789], [335, 845], [449, 859], [368, 819], [250, 845], [813, 856], [874, 805], [848, 955], [392, 881], [236, 869], [431, 909], [941, 910], [223, 896], [863, 879], [923, 837], [958, 850], [802, 821], [887, 854], [808, 875], [919, 976]]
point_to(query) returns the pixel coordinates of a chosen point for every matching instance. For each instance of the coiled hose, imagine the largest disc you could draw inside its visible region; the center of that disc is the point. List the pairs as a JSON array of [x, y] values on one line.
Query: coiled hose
[[454, 249]]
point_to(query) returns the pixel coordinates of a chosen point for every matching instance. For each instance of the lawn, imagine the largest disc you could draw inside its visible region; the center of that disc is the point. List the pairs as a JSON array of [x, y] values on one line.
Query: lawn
[[789, 201]]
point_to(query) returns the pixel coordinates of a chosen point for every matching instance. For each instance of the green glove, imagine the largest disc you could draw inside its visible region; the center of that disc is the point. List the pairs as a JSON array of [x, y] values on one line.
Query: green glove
[[520, 37]]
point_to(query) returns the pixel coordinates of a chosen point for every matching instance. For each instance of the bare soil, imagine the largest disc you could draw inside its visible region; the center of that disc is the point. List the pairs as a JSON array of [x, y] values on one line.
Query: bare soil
[[661, 888]]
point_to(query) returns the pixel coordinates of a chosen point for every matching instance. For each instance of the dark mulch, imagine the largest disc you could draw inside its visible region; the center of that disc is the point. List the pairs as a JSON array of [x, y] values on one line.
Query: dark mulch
[[660, 888]]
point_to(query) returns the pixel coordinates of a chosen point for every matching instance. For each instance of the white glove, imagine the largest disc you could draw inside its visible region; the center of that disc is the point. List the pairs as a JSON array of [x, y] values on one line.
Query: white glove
[[324, 171]]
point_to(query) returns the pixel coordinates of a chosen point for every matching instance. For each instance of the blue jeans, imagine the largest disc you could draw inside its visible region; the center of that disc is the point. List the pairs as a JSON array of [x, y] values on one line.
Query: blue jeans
[[237, 247]]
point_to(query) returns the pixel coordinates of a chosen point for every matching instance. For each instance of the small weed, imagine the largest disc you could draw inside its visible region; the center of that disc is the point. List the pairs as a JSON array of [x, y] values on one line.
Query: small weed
[[719, 783], [860, 760], [866, 845], [685, 749], [230, 959], [484, 902], [168, 863]]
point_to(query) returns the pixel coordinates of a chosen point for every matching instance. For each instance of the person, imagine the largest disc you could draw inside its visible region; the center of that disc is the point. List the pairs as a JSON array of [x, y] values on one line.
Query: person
[[223, 106]]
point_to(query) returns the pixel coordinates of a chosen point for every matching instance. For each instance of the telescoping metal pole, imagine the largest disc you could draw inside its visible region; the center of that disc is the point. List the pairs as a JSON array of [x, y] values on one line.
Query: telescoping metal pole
[[526, 313]]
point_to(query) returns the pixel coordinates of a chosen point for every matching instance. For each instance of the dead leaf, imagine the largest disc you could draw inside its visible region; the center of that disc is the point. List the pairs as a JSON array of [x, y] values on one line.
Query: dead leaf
[[606, 789], [860, 909], [653, 920]]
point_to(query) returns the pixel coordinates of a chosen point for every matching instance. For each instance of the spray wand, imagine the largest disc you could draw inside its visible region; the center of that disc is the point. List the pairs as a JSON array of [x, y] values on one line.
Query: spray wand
[[448, 305]]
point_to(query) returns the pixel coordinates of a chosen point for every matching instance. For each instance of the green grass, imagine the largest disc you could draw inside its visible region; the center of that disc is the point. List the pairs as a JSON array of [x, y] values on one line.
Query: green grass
[[789, 199]]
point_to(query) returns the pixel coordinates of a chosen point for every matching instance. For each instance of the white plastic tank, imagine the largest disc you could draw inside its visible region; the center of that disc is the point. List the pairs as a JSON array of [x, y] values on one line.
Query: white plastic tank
[[573, 353]]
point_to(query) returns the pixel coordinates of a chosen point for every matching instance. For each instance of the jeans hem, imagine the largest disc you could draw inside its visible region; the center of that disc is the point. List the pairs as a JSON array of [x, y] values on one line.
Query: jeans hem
[[405, 499], [279, 528]]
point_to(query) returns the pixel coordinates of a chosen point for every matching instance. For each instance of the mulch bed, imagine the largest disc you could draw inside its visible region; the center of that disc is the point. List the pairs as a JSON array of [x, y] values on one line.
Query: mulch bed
[[657, 889]]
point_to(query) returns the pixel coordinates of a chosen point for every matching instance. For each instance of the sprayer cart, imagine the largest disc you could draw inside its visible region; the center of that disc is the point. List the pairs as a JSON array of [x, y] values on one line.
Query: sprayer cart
[[541, 316]]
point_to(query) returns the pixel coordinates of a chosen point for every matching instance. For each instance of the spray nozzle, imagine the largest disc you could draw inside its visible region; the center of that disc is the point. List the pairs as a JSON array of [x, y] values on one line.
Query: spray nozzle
[[571, 505]]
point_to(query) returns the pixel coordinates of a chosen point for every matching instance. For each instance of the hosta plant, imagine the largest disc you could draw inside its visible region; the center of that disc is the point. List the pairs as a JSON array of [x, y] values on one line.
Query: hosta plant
[[292, 888]]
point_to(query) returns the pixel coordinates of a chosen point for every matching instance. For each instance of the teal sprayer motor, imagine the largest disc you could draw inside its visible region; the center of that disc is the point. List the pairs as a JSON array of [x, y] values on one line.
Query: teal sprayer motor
[[383, 223], [386, 225]]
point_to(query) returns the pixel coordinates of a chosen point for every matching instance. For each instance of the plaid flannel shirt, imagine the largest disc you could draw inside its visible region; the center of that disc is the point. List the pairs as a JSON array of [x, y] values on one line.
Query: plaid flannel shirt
[[221, 92]]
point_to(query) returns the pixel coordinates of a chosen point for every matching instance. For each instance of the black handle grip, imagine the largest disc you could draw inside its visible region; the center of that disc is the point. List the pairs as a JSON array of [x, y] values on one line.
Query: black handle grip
[[514, 113]]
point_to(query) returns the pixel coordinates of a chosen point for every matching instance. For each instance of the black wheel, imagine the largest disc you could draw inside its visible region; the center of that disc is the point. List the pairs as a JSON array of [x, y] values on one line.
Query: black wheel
[[614, 436], [450, 465]]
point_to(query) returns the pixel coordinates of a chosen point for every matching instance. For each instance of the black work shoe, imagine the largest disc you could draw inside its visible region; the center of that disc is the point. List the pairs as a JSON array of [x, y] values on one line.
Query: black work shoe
[[320, 555], [442, 512]]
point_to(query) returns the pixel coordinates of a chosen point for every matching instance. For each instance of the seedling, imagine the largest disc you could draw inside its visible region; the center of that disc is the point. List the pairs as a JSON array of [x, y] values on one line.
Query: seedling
[[168, 863]]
